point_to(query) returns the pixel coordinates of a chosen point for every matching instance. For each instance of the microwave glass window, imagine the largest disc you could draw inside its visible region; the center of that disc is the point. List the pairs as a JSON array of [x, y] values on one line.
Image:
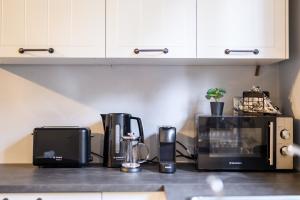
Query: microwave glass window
[[236, 142]]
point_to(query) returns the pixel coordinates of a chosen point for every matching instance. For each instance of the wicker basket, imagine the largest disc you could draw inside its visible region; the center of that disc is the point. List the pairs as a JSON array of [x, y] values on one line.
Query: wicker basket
[[253, 102]]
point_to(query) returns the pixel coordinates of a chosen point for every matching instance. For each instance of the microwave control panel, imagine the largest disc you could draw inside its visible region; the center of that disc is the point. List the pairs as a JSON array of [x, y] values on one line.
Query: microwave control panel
[[284, 138]]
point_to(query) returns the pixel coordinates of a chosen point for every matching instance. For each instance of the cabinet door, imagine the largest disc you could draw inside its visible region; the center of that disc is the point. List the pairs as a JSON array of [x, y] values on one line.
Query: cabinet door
[[77, 27], [12, 27], [52, 196], [151, 25], [73, 28], [244, 25], [134, 196]]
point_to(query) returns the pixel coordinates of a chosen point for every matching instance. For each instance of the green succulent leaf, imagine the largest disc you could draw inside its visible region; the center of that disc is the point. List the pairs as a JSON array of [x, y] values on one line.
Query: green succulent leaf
[[208, 97], [215, 93]]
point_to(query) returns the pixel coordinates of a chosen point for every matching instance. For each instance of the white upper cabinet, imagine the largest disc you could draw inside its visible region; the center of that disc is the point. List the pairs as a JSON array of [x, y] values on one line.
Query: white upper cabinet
[[214, 31], [242, 29], [73, 28], [151, 28]]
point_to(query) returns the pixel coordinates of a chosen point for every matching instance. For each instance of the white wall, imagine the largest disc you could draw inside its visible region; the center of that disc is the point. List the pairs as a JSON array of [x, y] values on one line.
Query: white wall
[[33, 96], [290, 71]]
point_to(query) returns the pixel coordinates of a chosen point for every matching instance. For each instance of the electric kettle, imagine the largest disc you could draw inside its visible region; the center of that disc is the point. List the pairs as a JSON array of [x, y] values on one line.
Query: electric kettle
[[117, 125]]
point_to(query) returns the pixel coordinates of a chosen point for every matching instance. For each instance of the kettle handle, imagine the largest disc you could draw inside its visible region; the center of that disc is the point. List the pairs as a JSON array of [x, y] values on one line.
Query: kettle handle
[[141, 130]]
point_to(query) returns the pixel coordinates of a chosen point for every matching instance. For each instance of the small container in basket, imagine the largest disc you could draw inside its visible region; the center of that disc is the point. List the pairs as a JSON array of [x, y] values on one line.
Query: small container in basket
[[253, 102]]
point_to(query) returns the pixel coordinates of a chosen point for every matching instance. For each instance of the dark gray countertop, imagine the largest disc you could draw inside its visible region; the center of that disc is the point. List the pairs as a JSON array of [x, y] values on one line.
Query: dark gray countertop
[[185, 183]]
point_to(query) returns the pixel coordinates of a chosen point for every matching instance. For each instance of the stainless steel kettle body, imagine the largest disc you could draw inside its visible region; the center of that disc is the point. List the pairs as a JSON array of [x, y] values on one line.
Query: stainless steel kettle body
[[115, 126]]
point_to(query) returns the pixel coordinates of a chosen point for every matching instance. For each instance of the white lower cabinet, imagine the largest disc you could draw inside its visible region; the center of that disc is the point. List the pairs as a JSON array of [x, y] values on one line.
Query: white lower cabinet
[[51, 196], [134, 196], [85, 196]]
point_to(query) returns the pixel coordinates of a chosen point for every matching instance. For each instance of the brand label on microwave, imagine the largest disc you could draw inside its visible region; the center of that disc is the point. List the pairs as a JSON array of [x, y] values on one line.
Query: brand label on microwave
[[235, 163]]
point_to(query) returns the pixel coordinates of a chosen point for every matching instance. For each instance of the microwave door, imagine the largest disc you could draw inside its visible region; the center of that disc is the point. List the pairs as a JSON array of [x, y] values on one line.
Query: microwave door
[[236, 143]]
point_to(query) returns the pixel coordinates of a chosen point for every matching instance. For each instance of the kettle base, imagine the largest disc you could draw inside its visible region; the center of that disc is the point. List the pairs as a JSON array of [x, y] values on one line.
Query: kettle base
[[131, 170]]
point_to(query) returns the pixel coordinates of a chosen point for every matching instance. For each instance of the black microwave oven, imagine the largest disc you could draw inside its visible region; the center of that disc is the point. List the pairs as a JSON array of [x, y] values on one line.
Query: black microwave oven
[[258, 143]]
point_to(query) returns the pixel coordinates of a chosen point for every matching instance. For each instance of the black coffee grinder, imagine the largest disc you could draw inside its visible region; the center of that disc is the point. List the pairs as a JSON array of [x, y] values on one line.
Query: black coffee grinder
[[167, 149]]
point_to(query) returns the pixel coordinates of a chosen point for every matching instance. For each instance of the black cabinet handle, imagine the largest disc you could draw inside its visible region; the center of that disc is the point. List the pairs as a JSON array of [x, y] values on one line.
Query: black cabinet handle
[[36, 199], [22, 50], [137, 51], [254, 51]]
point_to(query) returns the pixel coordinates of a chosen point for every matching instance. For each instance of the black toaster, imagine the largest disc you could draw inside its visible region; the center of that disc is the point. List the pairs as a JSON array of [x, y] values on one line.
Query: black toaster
[[61, 146]]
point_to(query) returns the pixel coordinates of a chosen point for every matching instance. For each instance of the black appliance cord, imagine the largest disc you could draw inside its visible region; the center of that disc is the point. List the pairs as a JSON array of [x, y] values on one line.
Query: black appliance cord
[[182, 145], [97, 154], [152, 160], [184, 156], [191, 157]]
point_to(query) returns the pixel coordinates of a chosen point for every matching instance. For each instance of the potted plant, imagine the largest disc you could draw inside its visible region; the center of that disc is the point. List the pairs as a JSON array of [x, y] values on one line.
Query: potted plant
[[216, 106]]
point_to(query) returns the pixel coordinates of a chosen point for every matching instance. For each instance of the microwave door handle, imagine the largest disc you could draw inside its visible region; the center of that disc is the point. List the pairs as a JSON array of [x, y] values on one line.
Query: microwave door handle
[[271, 145]]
